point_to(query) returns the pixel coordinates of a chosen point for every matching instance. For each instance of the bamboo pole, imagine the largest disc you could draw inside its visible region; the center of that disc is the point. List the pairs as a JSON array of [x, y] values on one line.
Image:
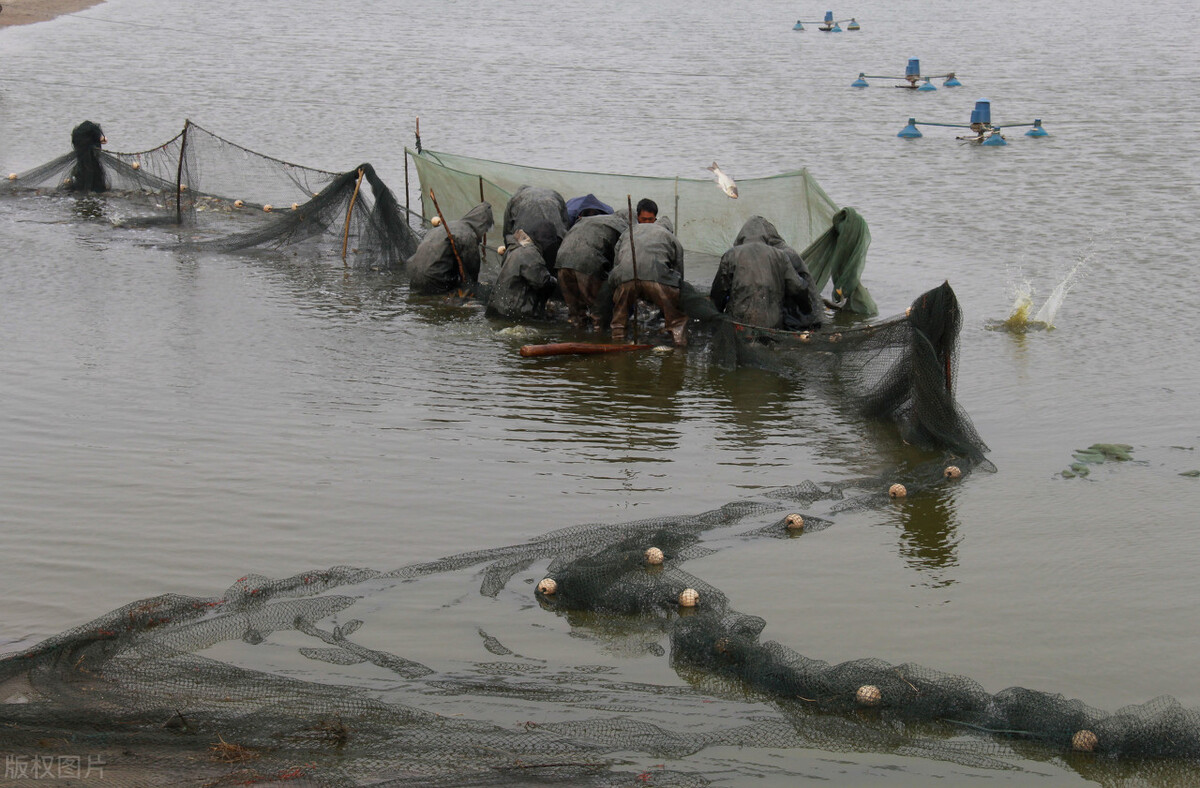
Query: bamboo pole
[[462, 273], [407, 194], [349, 211], [677, 226], [483, 242], [179, 174], [633, 259]]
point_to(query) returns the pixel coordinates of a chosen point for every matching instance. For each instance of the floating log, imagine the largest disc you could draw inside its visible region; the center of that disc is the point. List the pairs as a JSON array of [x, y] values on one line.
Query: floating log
[[577, 348]]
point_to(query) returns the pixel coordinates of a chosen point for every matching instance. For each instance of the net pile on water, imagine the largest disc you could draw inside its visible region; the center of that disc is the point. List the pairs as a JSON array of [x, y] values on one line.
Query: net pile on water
[[161, 691], [902, 369], [215, 188]]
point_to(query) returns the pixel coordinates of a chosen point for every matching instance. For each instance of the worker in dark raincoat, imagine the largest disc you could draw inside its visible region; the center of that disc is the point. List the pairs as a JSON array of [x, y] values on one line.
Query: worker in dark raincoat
[[659, 275], [764, 282], [524, 282], [88, 173], [587, 205], [585, 258], [436, 268], [542, 214]]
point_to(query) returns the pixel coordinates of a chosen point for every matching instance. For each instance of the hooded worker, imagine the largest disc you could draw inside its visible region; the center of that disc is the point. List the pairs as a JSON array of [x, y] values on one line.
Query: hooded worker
[[587, 205], [762, 281], [542, 214], [88, 173], [524, 282], [439, 266], [585, 258], [658, 256]]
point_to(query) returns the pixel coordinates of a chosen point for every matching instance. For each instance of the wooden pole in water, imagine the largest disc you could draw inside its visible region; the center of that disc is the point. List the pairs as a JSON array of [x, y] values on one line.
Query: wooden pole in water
[[407, 195], [483, 241], [462, 274], [179, 174], [633, 259], [677, 206], [349, 211]]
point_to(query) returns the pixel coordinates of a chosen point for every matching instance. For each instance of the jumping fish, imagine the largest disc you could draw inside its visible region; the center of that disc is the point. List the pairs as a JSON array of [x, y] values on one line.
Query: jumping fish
[[724, 181]]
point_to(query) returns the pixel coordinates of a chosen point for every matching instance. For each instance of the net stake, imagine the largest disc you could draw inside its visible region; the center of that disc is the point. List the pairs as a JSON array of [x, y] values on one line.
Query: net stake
[[462, 274], [482, 243], [633, 259], [179, 174], [407, 194], [349, 211]]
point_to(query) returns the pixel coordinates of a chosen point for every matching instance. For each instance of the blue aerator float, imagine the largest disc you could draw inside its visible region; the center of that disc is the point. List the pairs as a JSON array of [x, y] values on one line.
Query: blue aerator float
[[912, 76], [829, 24], [981, 127]]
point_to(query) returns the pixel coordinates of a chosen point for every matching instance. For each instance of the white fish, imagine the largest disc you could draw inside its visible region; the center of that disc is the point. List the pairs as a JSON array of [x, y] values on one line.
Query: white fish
[[724, 181]]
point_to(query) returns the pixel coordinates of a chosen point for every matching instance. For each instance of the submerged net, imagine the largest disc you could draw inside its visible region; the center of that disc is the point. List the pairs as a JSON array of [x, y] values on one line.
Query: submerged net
[[229, 197], [902, 370], [171, 689]]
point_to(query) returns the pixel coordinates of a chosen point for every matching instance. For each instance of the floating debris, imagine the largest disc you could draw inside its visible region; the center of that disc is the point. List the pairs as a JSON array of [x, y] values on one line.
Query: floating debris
[[1094, 455]]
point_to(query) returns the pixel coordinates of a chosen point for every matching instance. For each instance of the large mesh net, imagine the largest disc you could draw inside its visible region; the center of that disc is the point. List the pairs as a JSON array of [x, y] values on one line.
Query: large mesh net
[[229, 197], [704, 218], [173, 689]]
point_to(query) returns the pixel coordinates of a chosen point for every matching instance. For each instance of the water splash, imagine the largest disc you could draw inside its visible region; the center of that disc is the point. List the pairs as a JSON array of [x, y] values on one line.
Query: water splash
[[1019, 320], [1049, 309]]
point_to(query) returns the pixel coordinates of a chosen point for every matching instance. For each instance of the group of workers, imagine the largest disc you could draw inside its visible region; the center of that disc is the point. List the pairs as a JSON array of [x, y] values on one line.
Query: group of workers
[[595, 257], [599, 261]]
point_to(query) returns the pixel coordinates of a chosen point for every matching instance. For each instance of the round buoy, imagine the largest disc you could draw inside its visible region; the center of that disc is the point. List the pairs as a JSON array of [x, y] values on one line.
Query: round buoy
[[1084, 741], [689, 597], [238, 203], [868, 695], [436, 221], [137, 165], [805, 337], [952, 472], [794, 522], [12, 176], [268, 208], [547, 586], [183, 187], [654, 556], [295, 205], [897, 491], [907, 311], [500, 250]]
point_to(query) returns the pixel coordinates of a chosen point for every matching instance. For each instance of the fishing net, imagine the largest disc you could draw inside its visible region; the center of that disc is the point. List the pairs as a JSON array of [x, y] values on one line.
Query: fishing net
[[228, 197], [276, 681], [901, 370], [706, 220]]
